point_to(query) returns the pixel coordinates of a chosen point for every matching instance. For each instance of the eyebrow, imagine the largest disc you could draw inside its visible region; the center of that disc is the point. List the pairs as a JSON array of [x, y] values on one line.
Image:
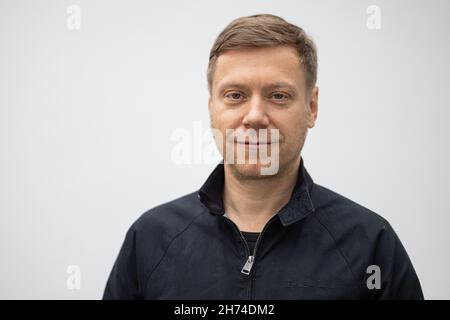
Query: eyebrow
[[271, 86]]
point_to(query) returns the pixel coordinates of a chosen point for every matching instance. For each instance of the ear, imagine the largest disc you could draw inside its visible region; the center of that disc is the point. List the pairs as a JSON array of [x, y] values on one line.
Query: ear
[[313, 106]]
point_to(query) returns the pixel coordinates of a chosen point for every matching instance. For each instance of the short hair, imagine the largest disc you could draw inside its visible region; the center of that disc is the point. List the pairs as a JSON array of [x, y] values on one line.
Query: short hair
[[265, 30]]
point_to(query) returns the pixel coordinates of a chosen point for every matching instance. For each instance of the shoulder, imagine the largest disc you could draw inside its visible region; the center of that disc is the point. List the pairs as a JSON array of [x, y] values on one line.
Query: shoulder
[[149, 237], [366, 239], [361, 235], [169, 218], [343, 216]]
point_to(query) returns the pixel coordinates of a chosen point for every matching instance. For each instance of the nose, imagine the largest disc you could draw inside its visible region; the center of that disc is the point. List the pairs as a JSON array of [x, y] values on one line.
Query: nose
[[256, 114]]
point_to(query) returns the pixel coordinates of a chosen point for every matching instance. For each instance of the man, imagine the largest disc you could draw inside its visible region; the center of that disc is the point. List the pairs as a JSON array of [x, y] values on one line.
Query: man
[[246, 234]]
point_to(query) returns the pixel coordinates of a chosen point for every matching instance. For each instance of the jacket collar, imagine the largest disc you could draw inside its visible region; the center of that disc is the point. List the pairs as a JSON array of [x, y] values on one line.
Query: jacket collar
[[298, 207]]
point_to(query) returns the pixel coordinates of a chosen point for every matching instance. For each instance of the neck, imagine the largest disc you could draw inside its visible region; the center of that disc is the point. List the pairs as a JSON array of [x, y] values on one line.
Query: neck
[[251, 202]]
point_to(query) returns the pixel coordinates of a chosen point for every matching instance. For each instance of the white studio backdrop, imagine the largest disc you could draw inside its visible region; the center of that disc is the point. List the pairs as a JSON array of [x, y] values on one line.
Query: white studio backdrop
[[91, 93]]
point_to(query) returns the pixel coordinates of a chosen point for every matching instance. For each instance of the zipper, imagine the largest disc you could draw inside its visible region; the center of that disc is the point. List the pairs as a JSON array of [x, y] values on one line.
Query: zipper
[[251, 257], [248, 265], [243, 240]]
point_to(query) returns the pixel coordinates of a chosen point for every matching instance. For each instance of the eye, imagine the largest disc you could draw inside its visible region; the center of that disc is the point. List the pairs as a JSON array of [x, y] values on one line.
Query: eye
[[234, 96], [279, 96]]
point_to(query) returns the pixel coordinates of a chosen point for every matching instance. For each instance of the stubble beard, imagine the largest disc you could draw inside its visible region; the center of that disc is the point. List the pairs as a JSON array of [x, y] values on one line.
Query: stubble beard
[[287, 158]]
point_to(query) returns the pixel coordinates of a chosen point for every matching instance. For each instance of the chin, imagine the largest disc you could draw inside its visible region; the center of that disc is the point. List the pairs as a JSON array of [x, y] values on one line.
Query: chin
[[249, 171]]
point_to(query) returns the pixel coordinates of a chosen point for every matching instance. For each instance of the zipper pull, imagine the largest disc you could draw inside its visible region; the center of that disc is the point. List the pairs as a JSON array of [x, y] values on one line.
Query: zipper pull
[[247, 266]]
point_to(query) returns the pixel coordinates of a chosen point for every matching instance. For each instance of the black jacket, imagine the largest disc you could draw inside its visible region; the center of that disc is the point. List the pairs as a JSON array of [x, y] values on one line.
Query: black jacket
[[321, 245]]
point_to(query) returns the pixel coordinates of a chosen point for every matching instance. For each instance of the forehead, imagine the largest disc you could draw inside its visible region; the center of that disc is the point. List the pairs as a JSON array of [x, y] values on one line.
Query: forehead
[[259, 66]]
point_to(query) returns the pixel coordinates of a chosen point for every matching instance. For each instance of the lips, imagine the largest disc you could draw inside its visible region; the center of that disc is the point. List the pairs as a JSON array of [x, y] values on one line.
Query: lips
[[257, 143], [253, 138]]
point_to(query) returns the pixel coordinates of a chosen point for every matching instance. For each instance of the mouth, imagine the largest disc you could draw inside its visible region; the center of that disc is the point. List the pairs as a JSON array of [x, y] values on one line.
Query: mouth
[[255, 143]]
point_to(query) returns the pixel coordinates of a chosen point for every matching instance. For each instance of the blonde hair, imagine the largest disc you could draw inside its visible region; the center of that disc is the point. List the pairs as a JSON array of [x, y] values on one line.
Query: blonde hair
[[265, 30]]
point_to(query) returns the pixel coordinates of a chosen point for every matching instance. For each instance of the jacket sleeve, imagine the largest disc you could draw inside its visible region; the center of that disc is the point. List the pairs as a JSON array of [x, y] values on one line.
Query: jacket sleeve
[[399, 280], [123, 281]]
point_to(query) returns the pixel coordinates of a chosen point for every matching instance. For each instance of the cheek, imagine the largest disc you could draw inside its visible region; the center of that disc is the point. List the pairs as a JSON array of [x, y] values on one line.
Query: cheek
[[216, 119], [220, 122], [293, 129], [225, 119]]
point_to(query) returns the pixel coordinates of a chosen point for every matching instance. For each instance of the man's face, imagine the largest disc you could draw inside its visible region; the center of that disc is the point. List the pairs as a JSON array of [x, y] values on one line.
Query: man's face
[[262, 88]]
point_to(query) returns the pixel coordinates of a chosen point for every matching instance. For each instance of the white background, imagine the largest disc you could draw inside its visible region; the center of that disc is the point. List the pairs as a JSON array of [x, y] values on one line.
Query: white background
[[86, 118]]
